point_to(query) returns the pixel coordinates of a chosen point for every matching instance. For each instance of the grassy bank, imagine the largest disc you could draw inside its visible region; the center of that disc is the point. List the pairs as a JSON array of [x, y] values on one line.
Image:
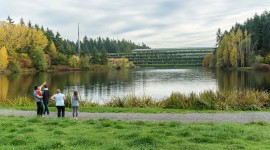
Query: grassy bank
[[206, 100], [48, 133]]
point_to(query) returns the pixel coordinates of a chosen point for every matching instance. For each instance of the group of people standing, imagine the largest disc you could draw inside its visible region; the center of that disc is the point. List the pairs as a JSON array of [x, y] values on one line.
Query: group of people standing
[[42, 97]]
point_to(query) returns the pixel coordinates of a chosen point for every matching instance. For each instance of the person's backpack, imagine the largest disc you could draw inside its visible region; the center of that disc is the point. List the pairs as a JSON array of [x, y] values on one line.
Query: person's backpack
[[46, 95]]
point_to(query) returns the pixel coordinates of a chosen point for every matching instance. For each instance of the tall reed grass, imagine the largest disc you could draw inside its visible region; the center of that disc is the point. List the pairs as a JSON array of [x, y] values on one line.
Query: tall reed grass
[[210, 100], [132, 101], [18, 101]]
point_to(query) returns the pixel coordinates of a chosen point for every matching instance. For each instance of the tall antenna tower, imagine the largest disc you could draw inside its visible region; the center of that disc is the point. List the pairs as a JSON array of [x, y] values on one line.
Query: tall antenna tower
[[79, 43]]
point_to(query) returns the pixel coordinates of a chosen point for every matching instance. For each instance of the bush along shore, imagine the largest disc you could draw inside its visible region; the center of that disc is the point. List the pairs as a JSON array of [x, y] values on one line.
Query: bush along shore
[[206, 100]]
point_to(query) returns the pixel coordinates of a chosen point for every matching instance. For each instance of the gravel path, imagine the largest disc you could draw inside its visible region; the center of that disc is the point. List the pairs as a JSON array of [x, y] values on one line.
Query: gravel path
[[241, 117]]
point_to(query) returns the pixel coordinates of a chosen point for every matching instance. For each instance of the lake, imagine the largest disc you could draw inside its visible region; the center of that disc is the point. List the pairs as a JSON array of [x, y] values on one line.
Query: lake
[[101, 86]]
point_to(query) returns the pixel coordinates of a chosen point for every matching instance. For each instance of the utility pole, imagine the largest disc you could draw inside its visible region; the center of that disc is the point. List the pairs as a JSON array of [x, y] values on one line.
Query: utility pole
[[79, 43]]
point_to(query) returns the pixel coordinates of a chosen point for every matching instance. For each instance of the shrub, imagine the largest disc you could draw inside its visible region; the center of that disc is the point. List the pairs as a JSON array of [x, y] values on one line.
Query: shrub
[[258, 59], [14, 67], [74, 61], [38, 59], [84, 62], [25, 61], [267, 59], [59, 59], [207, 60]]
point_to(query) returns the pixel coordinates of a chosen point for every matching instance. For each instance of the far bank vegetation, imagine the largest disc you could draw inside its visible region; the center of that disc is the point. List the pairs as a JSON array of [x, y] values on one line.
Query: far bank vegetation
[[31, 46], [245, 45]]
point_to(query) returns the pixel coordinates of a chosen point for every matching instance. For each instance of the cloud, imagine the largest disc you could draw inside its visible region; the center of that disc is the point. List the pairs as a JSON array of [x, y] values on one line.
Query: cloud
[[158, 23]]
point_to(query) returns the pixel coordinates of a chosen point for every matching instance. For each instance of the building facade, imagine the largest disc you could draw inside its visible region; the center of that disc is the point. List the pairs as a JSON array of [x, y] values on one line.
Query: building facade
[[166, 56]]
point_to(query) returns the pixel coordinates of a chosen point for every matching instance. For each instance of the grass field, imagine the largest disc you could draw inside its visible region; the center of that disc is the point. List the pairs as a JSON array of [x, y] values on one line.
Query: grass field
[[52, 133]]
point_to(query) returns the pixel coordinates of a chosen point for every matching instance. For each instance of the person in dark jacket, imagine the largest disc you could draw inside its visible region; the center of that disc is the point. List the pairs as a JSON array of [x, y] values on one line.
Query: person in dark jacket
[[46, 97]]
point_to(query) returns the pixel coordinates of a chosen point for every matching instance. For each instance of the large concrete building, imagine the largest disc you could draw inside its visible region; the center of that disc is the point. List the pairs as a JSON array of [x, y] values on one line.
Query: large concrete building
[[166, 56]]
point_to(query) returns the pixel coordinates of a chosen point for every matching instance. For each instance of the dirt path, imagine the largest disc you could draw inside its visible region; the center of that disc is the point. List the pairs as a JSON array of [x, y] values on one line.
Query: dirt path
[[242, 117]]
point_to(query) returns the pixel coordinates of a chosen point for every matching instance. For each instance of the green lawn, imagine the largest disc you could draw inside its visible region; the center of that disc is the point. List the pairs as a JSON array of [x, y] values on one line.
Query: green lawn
[[53, 133]]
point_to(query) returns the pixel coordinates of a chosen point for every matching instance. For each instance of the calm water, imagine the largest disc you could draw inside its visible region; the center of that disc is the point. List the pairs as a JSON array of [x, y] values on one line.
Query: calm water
[[157, 83]]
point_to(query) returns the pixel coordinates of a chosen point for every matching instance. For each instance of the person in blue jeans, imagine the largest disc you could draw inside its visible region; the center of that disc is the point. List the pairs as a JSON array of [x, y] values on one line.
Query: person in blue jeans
[[46, 97], [38, 99], [59, 103]]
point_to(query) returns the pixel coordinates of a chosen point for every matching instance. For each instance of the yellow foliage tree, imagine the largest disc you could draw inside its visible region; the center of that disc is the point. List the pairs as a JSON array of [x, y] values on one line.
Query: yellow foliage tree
[[233, 50], [52, 49], [226, 51], [2, 35], [38, 39], [3, 58], [74, 61], [4, 87], [19, 38]]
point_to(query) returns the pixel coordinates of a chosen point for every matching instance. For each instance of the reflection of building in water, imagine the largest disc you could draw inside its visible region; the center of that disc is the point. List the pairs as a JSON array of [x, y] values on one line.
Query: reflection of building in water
[[166, 56], [4, 83]]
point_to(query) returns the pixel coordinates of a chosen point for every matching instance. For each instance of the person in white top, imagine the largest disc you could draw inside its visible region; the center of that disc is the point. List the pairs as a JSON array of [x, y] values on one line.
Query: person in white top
[[59, 102]]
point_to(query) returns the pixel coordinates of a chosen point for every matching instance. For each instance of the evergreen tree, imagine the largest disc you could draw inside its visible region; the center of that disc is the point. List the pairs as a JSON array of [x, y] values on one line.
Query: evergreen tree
[[103, 58], [22, 22], [59, 42], [95, 56], [10, 20], [218, 37], [30, 24]]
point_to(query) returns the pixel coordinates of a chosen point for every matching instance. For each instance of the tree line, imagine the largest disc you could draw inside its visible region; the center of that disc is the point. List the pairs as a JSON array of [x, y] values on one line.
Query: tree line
[[25, 45], [243, 45]]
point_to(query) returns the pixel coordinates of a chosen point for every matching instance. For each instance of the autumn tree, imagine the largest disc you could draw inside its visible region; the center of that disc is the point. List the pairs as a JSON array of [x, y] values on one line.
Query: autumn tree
[[52, 49], [3, 58], [206, 60], [74, 61]]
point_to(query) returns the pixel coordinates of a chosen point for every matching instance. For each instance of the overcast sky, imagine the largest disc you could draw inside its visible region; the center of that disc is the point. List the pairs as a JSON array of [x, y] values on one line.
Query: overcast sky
[[158, 23]]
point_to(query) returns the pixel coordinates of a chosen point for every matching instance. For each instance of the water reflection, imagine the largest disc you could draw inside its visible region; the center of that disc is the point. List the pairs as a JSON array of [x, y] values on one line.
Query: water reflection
[[158, 83], [240, 80]]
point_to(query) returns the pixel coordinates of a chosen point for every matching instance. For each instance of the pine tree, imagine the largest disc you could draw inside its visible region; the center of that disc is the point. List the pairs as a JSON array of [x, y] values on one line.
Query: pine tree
[[59, 42], [218, 37], [10, 20], [103, 58], [30, 24], [94, 57], [22, 22]]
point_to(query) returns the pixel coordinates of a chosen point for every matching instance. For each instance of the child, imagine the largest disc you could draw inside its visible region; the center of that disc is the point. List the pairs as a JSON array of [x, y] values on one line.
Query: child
[[75, 104], [38, 91]]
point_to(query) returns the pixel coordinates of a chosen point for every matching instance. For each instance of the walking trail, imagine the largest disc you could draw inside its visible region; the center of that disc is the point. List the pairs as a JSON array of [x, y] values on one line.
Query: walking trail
[[240, 117]]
